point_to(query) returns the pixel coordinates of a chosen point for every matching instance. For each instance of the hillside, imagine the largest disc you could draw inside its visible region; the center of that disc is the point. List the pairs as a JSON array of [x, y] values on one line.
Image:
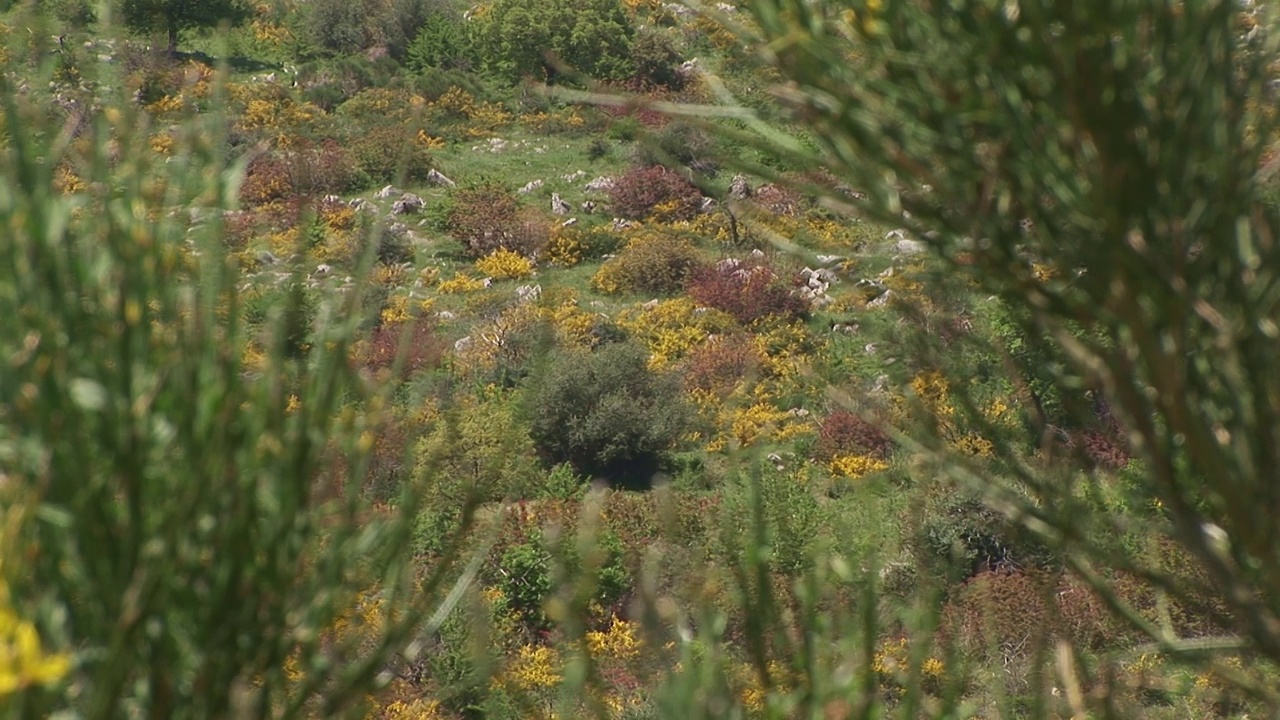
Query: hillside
[[652, 421]]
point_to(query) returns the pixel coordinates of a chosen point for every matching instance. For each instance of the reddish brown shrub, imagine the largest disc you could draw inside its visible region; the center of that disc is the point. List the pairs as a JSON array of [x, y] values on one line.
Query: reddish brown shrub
[[425, 348], [488, 217], [323, 168], [844, 433], [718, 365], [639, 191], [749, 290], [267, 179]]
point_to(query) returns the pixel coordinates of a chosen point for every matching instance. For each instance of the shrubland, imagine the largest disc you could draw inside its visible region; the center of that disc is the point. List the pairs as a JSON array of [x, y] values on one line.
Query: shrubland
[[888, 360]]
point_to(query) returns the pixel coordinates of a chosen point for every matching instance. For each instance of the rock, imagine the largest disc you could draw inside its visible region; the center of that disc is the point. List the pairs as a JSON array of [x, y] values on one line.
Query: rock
[[386, 192], [528, 293], [463, 343], [588, 207], [739, 189], [600, 184], [708, 204], [757, 253], [651, 304], [558, 205], [570, 221], [435, 177], [530, 187], [882, 300], [895, 234], [323, 269], [362, 205], [267, 258], [445, 315], [907, 246], [574, 176], [870, 349], [830, 260], [408, 203], [622, 224]]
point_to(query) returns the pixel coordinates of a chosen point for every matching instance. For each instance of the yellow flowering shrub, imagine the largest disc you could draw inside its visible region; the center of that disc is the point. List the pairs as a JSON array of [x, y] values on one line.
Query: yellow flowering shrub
[[460, 284], [166, 104], [619, 642], [162, 144], [535, 667], [24, 662], [671, 328], [573, 324], [503, 264], [66, 181], [856, 466], [565, 247], [402, 307]]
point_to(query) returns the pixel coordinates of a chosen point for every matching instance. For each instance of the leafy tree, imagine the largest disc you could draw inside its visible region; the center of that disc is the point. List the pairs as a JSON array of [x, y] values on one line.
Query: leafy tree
[[515, 38], [605, 412], [175, 16]]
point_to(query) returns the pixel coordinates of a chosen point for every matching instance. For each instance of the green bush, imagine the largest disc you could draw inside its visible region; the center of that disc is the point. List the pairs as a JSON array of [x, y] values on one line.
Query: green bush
[[514, 38], [391, 154], [440, 43], [605, 412], [336, 27]]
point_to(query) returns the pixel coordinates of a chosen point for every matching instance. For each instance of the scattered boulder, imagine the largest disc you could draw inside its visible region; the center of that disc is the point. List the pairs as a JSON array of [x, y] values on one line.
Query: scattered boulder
[[558, 205], [386, 192], [574, 176], [528, 293], [907, 246], [600, 184], [435, 177], [408, 203], [739, 188], [530, 187], [588, 206]]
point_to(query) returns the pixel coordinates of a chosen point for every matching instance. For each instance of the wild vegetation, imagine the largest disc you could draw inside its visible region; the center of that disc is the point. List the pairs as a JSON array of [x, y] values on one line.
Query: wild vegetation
[[414, 359]]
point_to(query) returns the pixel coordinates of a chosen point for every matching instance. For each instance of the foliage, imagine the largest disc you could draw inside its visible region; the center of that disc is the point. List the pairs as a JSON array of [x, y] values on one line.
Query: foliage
[[389, 154], [441, 42], [642, 191], [487, 217], [605, 412], [653, 262], [750, 290], [177, 458], [503, 264], [518, 38], [656, 61], [174, 16]]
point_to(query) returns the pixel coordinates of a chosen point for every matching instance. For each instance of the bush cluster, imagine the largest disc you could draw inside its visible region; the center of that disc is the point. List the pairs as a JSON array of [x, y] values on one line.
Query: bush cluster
[[750, 290], [382, 152], [653, 262], [844, 433], [605, 412], [639, 191], [488, 217]]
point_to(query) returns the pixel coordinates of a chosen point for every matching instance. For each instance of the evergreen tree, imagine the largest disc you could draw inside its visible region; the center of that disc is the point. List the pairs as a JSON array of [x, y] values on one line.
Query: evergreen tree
[[174, 16]]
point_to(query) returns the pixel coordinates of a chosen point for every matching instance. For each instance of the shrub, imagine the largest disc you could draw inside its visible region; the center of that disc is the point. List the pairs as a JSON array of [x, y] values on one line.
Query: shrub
[[652, 262], [323, 168], [440, 43], [423, 348], [640, 190], [268, 178], [683, 143], [955, 535], [383, 151], [605, 412], [487, 217], [844, 433], [503, 264], [656, 62], [749, 290], [718, 365]]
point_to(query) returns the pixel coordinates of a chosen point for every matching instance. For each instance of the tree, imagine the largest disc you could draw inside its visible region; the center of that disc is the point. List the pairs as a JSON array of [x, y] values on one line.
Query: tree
[[1119, 144], [175, 16], [515, 38]]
